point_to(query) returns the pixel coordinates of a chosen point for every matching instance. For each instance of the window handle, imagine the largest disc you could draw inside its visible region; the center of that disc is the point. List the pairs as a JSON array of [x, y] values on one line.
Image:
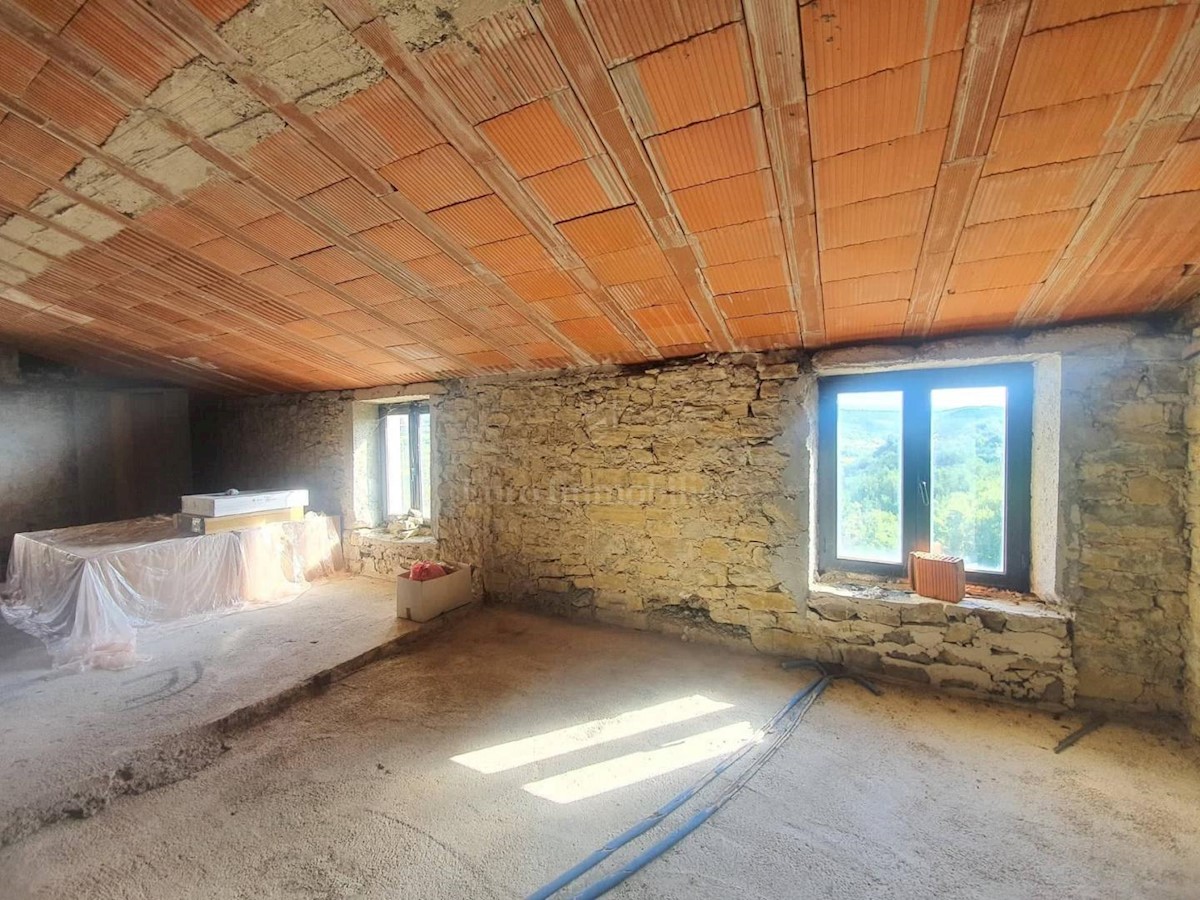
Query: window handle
[[923, 487]]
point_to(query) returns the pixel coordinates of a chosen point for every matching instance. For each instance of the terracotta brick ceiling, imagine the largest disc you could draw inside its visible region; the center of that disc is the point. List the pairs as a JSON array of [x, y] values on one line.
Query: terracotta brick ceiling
[[292, 195]]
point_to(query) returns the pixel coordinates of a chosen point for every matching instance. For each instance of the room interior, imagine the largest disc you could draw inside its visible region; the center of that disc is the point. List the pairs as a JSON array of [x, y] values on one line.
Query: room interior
[[435, 433]]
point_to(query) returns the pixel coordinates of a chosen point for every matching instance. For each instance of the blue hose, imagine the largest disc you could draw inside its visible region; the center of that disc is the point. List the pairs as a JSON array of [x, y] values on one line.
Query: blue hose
[[651, 853], [670, 806]]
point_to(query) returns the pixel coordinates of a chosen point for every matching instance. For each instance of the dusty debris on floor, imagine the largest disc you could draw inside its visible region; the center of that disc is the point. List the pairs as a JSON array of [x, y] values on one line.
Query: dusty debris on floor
[[358, 792], [71, 742]]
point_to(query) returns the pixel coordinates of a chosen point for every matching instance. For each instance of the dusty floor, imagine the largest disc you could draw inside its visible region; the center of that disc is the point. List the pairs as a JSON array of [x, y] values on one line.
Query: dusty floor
[[64, 735], [354, 793]]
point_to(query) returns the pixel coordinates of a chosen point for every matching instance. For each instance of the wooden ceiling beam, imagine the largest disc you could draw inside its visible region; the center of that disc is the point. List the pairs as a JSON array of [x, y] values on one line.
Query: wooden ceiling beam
[[187, 22], [404, 69], [993, 35], [562, 25], [774, 30]]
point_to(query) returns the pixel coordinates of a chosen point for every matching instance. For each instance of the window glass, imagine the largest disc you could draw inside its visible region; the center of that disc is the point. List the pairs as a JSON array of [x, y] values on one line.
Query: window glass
[[967, 489], [398, 461], [424, 443], [408, 460], [926, 459], [869, 436]]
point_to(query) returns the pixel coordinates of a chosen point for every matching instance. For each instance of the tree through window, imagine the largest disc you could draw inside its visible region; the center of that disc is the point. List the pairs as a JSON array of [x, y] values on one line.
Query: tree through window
[[927, 460], [407, 459]]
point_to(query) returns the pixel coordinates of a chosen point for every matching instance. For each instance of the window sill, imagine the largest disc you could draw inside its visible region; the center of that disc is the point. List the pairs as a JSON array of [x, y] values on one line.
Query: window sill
[[838, 601], [382, 535]]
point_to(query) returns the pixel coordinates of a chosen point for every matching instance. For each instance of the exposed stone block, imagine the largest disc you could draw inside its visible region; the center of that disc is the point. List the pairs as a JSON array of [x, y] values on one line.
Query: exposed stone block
[[833, 608], [764, 600], [779, 371], [1029, 643], [909, 671], [960, 633], [863, 659], [959, 677], [933, 613], [1046, 624]]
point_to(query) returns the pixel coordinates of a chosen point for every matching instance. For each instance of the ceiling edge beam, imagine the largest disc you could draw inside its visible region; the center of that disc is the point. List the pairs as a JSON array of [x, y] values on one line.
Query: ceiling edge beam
[[189, 24], [29, 288], [774, 30], [562, 25], [88, 352], [1178, 96], [405, 70], [181, 373], [993, 35], [304, 350]]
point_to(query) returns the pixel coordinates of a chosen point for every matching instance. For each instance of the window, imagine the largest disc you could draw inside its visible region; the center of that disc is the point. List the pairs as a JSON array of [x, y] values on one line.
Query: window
[[926, 460], [407, 459]]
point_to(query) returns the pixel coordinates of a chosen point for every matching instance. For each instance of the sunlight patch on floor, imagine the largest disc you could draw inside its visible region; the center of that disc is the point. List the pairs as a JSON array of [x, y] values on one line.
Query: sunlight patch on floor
[[513, 754], [623, 771]]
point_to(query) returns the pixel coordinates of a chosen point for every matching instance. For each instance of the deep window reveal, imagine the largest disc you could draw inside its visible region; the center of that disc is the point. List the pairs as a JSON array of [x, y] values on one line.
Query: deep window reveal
[[928, 459], [407, 459]]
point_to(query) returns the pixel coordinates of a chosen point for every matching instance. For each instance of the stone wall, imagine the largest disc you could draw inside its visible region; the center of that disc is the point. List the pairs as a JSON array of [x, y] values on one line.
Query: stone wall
[[1121, 558], [1192, 632], [1125, 555], [658, 494], [277, 442], [1016, 651], [677, 498], [385, 556]]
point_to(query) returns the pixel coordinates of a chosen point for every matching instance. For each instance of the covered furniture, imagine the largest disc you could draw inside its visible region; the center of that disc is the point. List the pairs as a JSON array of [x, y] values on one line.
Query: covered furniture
[[84, 590]]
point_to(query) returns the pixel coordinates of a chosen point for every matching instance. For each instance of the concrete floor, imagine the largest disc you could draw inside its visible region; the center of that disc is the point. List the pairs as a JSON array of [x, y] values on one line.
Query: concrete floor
[[355, 793], [70, 741]]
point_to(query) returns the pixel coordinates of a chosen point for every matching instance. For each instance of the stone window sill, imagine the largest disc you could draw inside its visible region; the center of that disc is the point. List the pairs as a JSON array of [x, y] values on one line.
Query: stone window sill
[[382, 535], [1020, 611]]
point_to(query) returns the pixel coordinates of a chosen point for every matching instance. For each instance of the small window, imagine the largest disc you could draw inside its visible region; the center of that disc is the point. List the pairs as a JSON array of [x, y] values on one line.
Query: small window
[[407, 459], [926, 460]]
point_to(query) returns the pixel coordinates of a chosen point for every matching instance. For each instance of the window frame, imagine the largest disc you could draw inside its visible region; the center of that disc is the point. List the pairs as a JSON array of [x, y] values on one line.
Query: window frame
[[915, 464], [413, 410]]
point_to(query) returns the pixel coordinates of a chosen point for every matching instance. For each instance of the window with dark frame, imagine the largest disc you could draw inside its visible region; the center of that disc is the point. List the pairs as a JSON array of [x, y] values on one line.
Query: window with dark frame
[[406, 454], [935, 460]]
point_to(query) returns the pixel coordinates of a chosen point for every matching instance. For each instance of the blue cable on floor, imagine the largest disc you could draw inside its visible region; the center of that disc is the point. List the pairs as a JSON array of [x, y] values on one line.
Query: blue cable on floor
[[810, 692], [653, 852]]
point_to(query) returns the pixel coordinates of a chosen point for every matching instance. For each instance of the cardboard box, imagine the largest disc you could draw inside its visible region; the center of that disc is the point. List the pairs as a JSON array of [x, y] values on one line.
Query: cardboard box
[[420, 601], [241, 504], [217, 524]]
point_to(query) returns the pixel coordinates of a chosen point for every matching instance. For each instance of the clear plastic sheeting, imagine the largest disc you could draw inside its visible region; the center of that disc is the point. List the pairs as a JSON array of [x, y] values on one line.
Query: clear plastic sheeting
[[84, 591]]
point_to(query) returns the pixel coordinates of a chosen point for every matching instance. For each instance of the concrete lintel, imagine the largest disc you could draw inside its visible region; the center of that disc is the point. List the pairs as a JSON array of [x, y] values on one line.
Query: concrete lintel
[[389, 393]]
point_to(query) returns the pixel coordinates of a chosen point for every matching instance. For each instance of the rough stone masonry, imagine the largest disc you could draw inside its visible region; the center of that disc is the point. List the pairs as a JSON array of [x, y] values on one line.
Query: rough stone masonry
[[677, 498]]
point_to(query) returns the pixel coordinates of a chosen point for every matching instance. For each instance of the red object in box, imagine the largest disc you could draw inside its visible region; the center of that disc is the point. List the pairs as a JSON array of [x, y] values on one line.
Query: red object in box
[[938, 577], [425, 571]]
